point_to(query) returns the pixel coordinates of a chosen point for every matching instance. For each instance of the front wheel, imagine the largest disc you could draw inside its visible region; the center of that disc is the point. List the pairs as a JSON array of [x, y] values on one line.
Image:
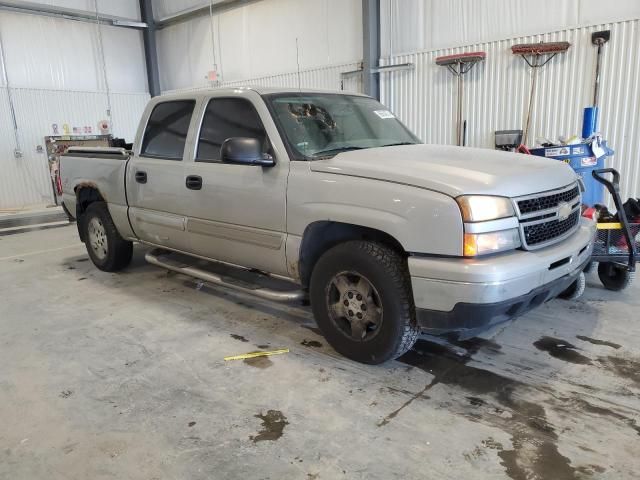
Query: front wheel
[[614, 277], [362, 301], [107, 249], [576, 289]]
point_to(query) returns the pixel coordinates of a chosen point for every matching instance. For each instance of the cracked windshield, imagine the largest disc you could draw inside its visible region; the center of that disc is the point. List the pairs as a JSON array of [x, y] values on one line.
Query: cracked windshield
[[323, 125]]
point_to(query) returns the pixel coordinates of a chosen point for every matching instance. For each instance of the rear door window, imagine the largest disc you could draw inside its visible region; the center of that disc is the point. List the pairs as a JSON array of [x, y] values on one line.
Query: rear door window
[[166, 133], [226, 118]]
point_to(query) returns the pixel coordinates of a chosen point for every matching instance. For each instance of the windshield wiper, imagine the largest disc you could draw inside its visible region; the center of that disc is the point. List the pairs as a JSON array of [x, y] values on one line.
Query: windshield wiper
[[398, 144], [330, 151]]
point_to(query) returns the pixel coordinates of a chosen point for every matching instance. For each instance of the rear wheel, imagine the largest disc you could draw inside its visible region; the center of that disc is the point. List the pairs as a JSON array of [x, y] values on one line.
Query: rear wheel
[[614, 277], [362, 301], [107, 249]]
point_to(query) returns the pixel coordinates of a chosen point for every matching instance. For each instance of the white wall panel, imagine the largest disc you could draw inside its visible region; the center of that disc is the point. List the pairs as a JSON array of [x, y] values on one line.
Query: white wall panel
[[43, 52], [21, 183], [166, 8], [324, 78], [124, 60], [119, 8], [52, 53], [496, 93], [260, 39], [184, 54], [126, 111], [415, 25], [25, 181], [56, 76]]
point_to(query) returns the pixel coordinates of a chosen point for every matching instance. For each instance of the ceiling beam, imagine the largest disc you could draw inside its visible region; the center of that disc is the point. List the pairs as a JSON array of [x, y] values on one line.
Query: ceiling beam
[[218, 6], [18, 6]]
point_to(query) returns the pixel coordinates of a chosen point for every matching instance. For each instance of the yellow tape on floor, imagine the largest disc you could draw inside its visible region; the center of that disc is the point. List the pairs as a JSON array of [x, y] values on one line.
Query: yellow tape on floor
[[257, 354]]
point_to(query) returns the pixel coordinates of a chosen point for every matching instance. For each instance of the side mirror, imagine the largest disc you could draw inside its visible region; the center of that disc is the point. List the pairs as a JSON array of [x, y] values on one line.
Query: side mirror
[[245, 151]]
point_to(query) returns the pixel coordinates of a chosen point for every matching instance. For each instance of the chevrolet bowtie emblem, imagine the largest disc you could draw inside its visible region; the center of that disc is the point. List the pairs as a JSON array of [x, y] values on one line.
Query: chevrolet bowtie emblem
[[564, 210]]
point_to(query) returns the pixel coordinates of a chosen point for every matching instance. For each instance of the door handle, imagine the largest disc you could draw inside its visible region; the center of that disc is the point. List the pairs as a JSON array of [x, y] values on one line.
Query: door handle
[[141, 177], [194, 182]]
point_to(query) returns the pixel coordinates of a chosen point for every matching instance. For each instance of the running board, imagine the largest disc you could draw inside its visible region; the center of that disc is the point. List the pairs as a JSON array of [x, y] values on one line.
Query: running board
[[161, 258]]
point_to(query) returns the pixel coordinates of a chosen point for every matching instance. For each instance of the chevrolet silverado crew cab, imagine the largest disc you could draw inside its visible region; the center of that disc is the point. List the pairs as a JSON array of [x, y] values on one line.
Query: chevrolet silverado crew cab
[[332, 195]]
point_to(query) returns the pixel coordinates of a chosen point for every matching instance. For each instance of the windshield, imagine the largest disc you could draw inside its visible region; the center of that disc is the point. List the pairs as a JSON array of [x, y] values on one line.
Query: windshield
[[323, 125]]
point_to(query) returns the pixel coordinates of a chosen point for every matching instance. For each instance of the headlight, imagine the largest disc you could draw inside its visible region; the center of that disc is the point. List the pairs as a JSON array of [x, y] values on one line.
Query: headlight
[[484, 243], [479, 208]]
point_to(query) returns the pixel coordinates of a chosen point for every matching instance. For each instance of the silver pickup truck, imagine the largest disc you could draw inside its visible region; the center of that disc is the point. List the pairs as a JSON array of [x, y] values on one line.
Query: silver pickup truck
[[331, 194]]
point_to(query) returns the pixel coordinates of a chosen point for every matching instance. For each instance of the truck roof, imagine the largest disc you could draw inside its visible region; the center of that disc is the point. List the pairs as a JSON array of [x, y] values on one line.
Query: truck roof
[[258, 89]]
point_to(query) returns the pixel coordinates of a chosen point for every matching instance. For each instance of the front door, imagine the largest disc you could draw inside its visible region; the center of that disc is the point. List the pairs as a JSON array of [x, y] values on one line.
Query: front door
[[239, 214], [155, 177]]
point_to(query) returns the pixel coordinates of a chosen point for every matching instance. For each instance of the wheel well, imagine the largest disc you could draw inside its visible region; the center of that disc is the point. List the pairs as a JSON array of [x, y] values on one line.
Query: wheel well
[[85, 197], [320, 236]]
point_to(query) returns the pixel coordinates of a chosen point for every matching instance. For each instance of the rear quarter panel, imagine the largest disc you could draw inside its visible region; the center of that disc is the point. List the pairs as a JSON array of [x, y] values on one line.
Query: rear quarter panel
[[103, 174]]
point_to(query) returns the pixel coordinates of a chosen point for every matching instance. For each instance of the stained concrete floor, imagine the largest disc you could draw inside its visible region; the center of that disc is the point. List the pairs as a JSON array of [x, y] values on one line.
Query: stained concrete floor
[[122, 376]]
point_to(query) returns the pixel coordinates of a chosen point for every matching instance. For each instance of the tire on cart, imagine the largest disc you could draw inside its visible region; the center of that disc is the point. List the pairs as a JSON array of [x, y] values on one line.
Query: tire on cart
[[614, 277], [576, 289]]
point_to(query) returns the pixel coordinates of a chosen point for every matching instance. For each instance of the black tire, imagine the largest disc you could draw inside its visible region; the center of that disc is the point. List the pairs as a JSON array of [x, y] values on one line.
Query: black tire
[[387, 274], [576, 289], [107, 249], [614, 277]]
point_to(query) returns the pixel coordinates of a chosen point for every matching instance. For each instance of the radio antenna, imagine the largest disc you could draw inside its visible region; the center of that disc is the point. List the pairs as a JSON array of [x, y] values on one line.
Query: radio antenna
[[298, 63]]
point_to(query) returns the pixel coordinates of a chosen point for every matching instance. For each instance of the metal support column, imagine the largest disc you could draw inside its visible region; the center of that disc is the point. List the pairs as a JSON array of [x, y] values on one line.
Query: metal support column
[[150, 51], [371, 47]]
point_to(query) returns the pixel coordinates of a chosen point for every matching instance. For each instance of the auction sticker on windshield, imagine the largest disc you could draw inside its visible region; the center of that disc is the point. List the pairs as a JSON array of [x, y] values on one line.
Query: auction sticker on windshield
[[384, 113]]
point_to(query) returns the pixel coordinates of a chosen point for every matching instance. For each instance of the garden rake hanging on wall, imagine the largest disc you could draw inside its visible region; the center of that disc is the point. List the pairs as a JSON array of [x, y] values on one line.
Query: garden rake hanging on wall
[[537, 55], [459, 64]]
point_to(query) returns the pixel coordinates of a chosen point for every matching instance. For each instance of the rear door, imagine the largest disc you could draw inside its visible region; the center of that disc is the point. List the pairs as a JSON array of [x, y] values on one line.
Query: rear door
[[155, 178], [239, 214]]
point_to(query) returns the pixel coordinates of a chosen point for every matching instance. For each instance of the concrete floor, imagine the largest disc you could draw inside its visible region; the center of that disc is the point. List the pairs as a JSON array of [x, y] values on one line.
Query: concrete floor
[[122, 376]]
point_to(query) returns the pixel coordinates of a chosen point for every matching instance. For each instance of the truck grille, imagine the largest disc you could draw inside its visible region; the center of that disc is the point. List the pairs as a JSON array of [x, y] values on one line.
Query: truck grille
[[532, 205], [544, 232], [548, 217]]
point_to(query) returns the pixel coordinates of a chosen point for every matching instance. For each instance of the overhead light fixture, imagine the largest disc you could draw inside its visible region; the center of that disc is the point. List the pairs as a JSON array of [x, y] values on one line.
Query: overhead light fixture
[[129, 23]]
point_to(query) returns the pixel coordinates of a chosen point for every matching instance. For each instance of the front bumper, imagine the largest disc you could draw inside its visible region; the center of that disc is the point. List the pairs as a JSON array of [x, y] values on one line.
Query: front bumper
[[465, 296]]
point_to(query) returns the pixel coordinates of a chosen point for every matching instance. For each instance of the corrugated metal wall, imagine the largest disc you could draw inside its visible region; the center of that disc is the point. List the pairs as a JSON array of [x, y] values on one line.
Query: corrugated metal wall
[[417, 25], [496, 93], [25, 181], [327, 78], [259, 39], [58, 75], [321, 78]]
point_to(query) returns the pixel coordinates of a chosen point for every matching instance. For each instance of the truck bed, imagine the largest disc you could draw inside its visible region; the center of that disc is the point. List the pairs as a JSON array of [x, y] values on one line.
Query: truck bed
[[100, 168]]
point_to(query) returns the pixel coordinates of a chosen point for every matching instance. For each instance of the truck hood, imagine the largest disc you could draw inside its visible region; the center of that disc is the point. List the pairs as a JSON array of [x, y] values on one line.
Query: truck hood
[[451, 170]]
